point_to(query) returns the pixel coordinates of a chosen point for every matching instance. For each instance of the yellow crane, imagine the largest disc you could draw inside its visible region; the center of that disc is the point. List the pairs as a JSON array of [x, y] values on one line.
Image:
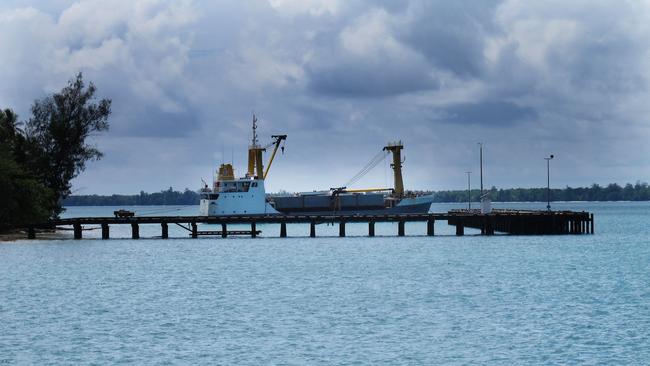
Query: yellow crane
[[255, 164], [277, 140], [398, 188], [396, 149]]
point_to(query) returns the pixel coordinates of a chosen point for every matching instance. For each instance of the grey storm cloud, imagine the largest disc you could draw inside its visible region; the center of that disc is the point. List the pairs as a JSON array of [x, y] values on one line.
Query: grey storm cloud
[[451, 35], [342, 78], [370, 78], [488, 113]]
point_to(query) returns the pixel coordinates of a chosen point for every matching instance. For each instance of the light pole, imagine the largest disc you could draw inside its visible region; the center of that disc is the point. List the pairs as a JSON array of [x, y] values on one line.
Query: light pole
[[469, 192], [480, 144], [548, 182]]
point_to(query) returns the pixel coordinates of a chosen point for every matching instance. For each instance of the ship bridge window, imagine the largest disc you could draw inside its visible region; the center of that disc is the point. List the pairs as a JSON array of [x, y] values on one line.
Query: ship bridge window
[[213, 196], [229, 187]]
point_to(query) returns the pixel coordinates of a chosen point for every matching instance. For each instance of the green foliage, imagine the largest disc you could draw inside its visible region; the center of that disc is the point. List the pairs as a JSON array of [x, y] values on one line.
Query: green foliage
[[56, 135], [23, 198], [38, 162], [9, 129]]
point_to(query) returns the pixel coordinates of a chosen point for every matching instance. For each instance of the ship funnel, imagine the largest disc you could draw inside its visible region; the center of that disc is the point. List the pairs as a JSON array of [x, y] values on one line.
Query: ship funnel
[[226, 172]]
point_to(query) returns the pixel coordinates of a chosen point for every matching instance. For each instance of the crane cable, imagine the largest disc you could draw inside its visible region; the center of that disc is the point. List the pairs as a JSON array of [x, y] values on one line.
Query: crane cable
[[381, 155]]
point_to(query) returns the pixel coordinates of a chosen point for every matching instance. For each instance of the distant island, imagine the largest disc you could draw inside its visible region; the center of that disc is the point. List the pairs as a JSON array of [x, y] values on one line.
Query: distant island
[[611, 192]]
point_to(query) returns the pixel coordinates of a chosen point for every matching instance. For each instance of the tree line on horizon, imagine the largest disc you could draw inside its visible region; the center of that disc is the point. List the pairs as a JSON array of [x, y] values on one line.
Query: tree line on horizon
[[164, 197], [639, 191], [611, 192]]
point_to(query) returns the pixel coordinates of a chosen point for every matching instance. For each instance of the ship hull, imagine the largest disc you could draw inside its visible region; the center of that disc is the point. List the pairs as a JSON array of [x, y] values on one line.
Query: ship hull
[[406, 206]]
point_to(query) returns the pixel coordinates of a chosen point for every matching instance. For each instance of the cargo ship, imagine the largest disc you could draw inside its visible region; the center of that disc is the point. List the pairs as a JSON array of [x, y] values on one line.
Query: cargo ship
[[246, 195]]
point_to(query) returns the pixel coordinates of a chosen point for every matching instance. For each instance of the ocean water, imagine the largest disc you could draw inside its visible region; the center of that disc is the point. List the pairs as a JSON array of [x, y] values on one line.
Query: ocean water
[[329, 300]]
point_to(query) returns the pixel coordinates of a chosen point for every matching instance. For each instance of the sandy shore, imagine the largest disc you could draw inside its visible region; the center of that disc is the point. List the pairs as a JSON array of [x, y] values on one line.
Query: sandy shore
[[21, 235]]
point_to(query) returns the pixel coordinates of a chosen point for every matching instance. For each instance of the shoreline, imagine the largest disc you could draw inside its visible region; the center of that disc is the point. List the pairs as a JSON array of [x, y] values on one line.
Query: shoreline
[[21, 235]]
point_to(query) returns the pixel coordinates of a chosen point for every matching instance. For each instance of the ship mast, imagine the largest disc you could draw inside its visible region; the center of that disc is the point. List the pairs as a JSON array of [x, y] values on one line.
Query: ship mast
[[255, 142], [255, 165]]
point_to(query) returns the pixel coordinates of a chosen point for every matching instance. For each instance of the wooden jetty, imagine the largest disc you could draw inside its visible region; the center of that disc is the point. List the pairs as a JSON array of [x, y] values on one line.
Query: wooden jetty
[[499, 221], [523, 222]]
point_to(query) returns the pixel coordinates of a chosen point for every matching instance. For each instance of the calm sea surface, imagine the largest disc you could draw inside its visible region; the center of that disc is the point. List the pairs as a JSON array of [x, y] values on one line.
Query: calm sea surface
[[329, 300]]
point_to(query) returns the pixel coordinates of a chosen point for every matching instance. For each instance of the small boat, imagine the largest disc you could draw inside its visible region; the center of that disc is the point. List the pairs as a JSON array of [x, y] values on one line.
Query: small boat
[[230, 196]]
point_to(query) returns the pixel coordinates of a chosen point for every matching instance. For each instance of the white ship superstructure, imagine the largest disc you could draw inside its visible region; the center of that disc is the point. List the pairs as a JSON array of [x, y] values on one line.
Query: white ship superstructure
[[241, 196], [245, 196]]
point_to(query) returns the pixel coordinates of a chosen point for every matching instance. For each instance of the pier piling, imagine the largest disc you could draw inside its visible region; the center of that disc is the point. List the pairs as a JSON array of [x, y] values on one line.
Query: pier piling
[[400, 228], [283, 229], [105, 231], [460, 229], [430, 227], [342, 228], [135, 230], [164, 230], [77, 231], [489, 225], [224, 230], [312, 229], [195, 232], [253, 230], [371, 228]]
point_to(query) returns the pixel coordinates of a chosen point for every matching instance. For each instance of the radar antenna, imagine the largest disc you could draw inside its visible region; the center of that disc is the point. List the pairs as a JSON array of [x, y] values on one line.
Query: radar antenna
[[255, 141]]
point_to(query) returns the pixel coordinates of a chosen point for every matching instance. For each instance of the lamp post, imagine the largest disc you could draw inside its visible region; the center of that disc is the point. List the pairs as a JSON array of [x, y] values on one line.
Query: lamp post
[[480, 144], [469, 192], [548, 182]]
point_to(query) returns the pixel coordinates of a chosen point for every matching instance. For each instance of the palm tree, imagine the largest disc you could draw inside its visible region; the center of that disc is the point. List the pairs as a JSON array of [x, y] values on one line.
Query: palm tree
[[9, 125]]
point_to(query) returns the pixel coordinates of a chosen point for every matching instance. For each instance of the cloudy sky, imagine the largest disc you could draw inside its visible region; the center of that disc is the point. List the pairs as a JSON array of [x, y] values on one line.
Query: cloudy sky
[[342, 78]]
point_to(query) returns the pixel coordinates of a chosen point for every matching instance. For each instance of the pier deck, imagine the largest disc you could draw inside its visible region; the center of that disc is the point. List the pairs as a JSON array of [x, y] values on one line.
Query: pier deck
[[499, 221]]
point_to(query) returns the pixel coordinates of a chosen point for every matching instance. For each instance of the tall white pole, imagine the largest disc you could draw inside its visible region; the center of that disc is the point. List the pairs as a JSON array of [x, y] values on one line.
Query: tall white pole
[[480, 144], [548, 182], [469, 192]]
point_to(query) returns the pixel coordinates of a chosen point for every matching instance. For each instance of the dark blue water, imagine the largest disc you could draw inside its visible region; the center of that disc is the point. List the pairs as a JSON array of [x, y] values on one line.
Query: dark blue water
[[329, 300]]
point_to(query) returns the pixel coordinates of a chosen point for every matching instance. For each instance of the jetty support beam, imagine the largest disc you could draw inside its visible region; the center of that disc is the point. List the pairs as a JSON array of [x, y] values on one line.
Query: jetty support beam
[[312, 229], [195, 231], [105, 231], [283, 229], [400, 228], [77, 231], [430, 228], [489, 225], [253, 230], [371, 228], [342, 228], [460, 228], [135, 230], [165, 230], [224, 230]]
